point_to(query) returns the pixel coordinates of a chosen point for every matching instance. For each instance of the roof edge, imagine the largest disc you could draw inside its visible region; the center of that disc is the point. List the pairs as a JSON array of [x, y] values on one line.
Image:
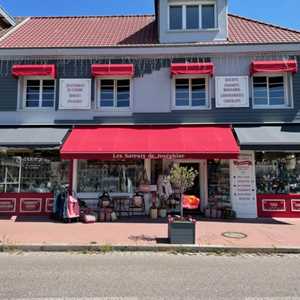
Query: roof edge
[[7, 17], [264, 23], [94, 16]]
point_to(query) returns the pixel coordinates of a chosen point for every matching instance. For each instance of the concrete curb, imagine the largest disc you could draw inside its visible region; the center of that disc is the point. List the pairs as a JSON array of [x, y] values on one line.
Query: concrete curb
[[148, 248]]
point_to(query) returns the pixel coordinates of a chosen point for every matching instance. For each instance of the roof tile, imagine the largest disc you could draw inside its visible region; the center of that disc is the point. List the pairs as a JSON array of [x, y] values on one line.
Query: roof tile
[[116, 31]]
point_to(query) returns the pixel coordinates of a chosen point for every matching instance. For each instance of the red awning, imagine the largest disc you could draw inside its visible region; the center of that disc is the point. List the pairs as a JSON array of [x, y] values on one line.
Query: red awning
[[34, 70], [192, 68], [150, 142], [125, 70], [274, 66]]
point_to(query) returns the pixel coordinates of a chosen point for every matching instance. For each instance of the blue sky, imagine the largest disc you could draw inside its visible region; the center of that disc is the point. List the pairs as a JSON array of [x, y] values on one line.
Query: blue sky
[[281, 12]]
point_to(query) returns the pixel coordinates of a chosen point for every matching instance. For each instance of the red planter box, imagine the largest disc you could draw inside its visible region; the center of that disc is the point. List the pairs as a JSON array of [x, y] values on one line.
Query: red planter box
[[278, 206], [36, 204]]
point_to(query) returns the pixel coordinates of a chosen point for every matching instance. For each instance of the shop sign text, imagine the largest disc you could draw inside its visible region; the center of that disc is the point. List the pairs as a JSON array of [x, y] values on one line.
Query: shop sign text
[[243, 186], [295, 205], [232, 91], [274, 205], [149, 156], [7, 205]]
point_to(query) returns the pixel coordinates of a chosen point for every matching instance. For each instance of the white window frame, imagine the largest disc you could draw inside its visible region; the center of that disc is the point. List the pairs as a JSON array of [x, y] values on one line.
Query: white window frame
[[24, 93], [113, 108], [287, 80], [190, 107], [184, 23]]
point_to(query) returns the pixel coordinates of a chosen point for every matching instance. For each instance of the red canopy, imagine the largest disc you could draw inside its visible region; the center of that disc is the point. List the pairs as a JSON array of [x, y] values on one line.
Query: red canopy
[[274, 66], [34, 70], [150, 142], [192, 68], [126, 70]]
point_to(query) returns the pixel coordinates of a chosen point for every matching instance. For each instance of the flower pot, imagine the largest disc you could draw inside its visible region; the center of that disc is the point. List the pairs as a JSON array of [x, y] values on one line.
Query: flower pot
[[182, 232], [153, 213], [162, 213]]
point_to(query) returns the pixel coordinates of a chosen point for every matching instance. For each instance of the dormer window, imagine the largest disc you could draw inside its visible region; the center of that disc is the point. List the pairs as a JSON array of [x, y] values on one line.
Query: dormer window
[[192, 16]]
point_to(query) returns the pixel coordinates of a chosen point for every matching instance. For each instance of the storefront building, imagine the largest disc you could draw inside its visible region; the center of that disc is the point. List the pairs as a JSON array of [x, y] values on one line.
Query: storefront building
[[192, 85]]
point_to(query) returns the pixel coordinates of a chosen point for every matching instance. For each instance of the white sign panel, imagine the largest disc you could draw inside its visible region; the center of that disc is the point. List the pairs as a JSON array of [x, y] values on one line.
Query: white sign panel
[[243, 185], [232, 91], [75, 94]]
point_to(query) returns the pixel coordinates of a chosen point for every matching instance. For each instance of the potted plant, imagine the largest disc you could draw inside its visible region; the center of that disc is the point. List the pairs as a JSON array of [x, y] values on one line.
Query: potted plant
[[182, 230]]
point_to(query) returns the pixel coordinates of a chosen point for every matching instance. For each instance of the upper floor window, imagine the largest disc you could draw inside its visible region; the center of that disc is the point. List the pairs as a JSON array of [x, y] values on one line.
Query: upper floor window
[[192, 17], [38, 93], [270, 91], [114, 93], [191, 93]]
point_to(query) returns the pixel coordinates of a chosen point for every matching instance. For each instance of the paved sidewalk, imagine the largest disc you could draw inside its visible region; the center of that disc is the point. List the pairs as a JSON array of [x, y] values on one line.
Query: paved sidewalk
[[259, 233]]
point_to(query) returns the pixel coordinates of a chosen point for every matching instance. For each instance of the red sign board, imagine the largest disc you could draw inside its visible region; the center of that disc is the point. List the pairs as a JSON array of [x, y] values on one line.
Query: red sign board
[[273, 205], [295, 205], [49, 205], [31, 205], [8, 205]]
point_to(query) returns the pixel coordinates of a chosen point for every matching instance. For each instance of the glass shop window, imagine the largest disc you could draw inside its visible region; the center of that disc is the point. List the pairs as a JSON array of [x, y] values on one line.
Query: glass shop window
[[32, 174], [278, 173], [10, 174], [112, 177], [218, 183], [43, 175]]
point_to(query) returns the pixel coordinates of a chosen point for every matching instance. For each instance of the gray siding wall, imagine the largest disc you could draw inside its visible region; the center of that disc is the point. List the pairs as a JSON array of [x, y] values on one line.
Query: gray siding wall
[[152, 99], [167, 36]]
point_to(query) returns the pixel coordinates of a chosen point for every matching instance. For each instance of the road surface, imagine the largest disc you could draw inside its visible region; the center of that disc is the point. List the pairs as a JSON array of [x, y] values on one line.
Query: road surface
[[131, 276]]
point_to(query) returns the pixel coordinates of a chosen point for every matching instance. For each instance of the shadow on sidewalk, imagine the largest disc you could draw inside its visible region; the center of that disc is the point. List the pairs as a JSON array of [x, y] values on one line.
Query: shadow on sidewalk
[[248, 221]]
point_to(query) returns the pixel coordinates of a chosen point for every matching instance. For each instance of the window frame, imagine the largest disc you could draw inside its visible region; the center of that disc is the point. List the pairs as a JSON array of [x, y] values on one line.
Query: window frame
[[25, 79], [113, 108], [288, 101], [184, 15], [190, 107]]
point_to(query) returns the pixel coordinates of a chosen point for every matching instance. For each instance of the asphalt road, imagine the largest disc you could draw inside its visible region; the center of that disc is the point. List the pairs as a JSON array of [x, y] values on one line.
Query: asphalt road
[[132, 276]]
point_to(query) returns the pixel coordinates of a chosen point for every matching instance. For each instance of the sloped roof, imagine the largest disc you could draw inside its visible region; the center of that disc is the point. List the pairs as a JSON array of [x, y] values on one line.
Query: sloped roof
[[118, 31]]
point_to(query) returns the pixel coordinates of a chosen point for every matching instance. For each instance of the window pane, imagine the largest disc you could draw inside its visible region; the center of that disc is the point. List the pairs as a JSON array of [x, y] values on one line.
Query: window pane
[[107, 93], [175, 17], [32, 93], [123, 93], [182, 92], [199, 92], [192, 17], [208, 16], [276, 90], [48, 95], [260, 90], [32, 103], [33, 89]]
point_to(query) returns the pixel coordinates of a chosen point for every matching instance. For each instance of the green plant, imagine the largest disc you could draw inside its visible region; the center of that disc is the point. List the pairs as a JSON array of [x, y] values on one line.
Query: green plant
[[182, 178]]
